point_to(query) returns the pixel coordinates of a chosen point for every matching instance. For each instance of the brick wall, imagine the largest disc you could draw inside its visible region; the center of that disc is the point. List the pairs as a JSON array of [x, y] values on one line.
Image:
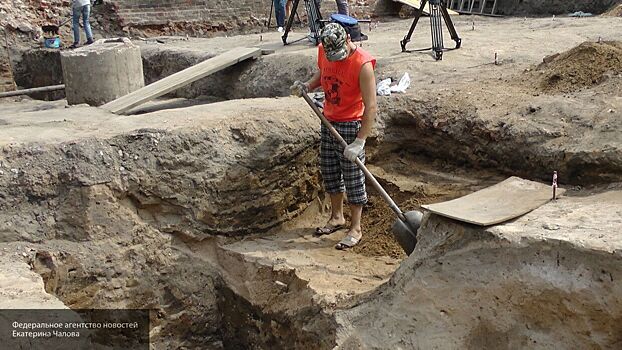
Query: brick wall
[[158, 12], [211, 14]]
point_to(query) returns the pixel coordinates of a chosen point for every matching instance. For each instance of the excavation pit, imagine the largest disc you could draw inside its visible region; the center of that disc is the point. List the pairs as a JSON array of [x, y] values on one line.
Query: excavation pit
[[204, 212]]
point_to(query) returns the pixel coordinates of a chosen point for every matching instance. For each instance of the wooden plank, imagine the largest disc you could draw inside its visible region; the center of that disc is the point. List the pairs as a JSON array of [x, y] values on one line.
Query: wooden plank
[[502, 202], [417, 4], [180, 79]]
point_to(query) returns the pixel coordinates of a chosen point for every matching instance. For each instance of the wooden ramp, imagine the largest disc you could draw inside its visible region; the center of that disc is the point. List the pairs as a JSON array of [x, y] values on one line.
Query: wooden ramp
[[426, 10], [502, 202], [180, 79]]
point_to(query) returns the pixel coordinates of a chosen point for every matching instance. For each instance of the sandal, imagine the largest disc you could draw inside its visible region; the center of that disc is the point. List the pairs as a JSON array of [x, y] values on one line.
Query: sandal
[[327, 229], [347, 242]]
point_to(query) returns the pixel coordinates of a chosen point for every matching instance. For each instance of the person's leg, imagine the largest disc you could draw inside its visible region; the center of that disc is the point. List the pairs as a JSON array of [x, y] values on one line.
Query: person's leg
[[354, 181], [318, 3], [336, 209], [288, 8], [86, 13], [76, 25], [342, 7], [356, 211], [279, 12], [333, 180]]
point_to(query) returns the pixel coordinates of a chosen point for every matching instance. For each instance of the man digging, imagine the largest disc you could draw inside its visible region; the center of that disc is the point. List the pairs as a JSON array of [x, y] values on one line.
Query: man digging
[[346, 74]]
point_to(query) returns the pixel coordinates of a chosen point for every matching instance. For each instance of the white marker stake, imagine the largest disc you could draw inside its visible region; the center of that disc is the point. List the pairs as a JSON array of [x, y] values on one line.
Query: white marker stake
[[554, 184]]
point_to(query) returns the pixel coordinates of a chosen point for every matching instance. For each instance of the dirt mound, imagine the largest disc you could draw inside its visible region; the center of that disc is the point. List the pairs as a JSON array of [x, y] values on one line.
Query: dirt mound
[[582, 66], [378, 239]]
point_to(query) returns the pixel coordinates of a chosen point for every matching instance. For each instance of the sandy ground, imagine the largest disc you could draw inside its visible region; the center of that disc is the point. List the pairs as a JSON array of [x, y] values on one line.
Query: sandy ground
[[519, 43]]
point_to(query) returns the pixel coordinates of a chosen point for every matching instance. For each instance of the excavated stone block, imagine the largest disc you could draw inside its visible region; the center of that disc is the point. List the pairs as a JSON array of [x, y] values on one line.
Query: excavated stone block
[[102, 72]]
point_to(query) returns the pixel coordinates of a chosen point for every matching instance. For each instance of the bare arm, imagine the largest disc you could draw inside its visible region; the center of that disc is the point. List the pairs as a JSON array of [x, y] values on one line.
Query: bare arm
[[367, 83], [314, 82]]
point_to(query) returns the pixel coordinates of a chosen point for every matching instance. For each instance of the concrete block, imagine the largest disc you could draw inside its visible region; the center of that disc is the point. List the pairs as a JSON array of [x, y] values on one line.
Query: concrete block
[[102, 71]]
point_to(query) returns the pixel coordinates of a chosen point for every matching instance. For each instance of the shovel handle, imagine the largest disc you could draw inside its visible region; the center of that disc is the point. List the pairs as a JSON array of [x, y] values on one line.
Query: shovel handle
[[65, 22], [358, 162]]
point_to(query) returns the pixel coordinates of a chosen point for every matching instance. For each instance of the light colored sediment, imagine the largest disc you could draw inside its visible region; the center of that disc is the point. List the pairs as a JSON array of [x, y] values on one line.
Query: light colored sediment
[[546, 280], [20, 287]]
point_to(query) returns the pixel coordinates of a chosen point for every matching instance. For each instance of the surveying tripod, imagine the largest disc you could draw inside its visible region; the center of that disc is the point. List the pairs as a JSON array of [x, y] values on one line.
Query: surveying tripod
[[314, 17], [437, 9], [269, 17]]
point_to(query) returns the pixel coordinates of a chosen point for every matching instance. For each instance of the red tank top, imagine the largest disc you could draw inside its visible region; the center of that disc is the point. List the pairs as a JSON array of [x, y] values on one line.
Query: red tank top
[[340, 82]]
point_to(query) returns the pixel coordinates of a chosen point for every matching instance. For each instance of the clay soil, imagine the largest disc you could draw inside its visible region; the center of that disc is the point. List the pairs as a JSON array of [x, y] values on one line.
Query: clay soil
[[412, 181]]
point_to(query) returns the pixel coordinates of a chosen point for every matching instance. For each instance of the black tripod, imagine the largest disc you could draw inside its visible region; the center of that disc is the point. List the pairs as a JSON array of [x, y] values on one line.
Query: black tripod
[[437, 9], [269, 17], [313, 16]]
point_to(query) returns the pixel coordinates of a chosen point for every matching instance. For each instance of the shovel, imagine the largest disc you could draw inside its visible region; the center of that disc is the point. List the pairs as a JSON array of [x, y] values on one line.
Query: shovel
[[53, 29], [405, 228]]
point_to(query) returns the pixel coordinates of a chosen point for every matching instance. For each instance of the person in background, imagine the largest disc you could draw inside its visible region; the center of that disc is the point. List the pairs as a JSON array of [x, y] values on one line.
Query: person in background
[[81, 8], [279, 13], [288, 8], [342, 6]]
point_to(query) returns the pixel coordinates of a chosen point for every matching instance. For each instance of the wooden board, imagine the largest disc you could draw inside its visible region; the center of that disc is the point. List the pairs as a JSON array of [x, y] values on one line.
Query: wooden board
[[180, 79], [426, 10], [504, 201]]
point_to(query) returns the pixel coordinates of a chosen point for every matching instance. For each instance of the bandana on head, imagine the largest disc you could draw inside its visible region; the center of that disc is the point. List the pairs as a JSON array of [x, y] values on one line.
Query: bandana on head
[[333, 37]]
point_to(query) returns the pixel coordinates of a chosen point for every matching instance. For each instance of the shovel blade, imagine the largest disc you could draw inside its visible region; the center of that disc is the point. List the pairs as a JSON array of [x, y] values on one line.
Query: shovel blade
[[405, 232]]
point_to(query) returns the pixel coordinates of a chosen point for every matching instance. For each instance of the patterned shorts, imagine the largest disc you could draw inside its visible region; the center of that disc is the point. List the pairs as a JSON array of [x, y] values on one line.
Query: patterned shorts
[[339, 174]]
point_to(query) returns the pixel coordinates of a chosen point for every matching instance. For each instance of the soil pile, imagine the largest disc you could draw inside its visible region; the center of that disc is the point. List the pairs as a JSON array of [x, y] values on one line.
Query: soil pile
[[378, 238], [583, 66]]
